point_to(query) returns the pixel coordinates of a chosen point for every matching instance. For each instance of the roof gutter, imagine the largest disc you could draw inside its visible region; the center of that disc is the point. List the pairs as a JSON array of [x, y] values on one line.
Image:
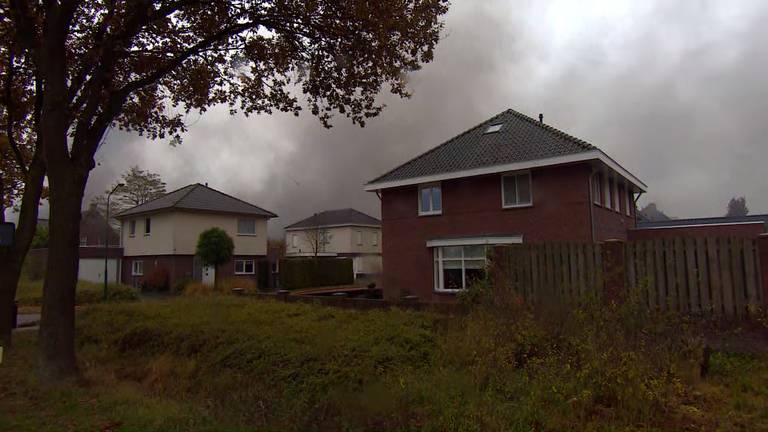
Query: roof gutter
[[595, 154]]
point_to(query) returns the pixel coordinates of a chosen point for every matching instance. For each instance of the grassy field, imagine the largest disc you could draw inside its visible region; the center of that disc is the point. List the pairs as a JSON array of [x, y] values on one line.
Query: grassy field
[[226, 363], [30, 293]]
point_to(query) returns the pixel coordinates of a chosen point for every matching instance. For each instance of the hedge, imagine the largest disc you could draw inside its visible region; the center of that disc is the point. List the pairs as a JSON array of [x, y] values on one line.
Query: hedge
[[298, 273]]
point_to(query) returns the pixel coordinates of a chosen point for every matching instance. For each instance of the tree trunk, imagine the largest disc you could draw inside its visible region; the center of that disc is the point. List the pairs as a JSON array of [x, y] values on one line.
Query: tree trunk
[[11, 259], [57, 325]]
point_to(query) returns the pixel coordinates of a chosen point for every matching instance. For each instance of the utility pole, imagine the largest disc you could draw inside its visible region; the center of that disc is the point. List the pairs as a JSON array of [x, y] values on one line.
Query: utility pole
[[106, 239]]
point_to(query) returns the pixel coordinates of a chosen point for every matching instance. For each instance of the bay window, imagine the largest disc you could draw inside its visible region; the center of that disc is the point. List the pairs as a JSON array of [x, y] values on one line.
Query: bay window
[[457, 267]]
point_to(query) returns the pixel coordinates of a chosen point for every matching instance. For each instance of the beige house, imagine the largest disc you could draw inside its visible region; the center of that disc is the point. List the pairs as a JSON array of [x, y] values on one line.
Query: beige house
[[338, 233], [161, 235]]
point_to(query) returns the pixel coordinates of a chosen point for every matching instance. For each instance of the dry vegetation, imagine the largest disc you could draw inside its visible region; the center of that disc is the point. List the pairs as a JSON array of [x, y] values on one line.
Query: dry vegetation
[[227, 363]]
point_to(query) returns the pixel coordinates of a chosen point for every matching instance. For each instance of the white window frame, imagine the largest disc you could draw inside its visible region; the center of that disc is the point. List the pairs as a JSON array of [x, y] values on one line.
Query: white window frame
[[147, 232], [437, 267], [132, 228], [359, 237], [246, 233], [616, 202], [244, 263], [597, 190], [504, 193], [607, 193], [375, 241], [431, 211], [137, 268], [294, 240]]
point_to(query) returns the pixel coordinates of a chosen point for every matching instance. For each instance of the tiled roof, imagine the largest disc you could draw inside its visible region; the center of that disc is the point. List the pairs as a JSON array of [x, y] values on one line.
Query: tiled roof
[[341, 217], [197, 197], [521, 138], [763, 218]]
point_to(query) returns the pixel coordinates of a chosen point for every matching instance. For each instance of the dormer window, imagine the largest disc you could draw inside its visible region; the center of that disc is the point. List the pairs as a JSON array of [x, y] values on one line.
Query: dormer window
[[493, 128]]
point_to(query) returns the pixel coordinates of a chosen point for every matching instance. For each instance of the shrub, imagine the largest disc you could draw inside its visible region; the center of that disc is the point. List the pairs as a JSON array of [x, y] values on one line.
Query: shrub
[[158, 279], [298, 273], [247, 284], [181, 284]]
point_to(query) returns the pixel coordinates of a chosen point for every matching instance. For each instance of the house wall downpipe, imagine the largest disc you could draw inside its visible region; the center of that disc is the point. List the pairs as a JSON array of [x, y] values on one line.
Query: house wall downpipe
[[591, 204]]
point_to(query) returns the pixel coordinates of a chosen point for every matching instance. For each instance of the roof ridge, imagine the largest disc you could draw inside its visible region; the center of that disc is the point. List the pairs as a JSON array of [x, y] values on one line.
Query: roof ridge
[[236, 199], [433, 149], [552, 129], [161, 196]]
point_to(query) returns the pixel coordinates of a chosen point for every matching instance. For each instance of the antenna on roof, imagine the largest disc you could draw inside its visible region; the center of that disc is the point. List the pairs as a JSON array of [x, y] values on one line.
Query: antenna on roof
[[541, 118], [206, 184]]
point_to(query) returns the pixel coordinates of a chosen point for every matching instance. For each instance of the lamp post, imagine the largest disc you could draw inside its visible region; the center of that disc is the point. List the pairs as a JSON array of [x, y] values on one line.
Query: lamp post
[[106, 239]]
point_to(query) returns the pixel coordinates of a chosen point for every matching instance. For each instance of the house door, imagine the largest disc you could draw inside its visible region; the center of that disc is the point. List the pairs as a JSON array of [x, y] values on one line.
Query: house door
[[209, 275]]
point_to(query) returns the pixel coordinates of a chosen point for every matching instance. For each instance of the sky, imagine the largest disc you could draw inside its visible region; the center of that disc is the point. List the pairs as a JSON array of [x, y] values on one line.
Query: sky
[[674, 91]]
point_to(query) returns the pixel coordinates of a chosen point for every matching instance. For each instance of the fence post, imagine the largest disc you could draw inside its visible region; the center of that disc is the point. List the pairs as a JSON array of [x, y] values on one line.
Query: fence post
[[614, 270], [762, 254]]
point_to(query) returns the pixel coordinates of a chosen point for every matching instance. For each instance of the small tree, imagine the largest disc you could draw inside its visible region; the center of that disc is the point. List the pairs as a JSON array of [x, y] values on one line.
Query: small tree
[[138, 187], [215, 247], [317, 238], [737, 207]]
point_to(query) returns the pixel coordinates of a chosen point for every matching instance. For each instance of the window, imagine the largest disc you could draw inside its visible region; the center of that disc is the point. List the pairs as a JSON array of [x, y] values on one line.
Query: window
[[516, 190], [294, 241], [629, 202], [137, 268], [359, 237], [375, 241], [430, 199], [132, 228], [84, 241], [244, 266], [246, 226], [608, 202], [616, 205], [493, 128], [147, 226], [457, 267], [597, 189]]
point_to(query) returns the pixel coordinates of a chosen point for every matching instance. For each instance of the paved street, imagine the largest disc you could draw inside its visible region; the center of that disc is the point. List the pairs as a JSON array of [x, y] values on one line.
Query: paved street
[[26, 320]]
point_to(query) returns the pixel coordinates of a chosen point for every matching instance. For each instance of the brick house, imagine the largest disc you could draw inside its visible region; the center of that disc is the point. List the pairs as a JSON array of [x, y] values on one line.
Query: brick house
[[510, 179], [163, 234]]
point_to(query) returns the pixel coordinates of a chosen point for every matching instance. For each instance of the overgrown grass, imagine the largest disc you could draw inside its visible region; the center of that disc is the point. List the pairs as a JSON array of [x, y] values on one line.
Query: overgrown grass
[[30, 293], [227, 363]]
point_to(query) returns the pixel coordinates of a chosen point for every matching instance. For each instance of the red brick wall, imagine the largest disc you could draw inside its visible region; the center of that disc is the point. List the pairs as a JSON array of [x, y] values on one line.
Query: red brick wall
[[180, 267], [472, 207], [743, 231]]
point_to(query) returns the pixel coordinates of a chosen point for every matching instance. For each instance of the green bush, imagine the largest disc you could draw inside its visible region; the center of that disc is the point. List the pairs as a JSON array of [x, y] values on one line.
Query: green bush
[[31, 292], [298, 273]]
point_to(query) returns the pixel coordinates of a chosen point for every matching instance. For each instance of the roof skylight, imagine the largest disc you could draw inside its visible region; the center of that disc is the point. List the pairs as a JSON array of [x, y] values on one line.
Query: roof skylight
[[493, 128]]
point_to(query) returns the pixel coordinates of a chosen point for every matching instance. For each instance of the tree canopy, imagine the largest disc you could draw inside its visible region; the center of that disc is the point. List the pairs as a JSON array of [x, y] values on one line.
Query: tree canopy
[[737, 207], [215, 246]]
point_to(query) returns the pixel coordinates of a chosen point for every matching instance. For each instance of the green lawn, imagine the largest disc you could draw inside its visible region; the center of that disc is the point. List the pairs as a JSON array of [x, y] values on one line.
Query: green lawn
[[30, 293], [227, 363]]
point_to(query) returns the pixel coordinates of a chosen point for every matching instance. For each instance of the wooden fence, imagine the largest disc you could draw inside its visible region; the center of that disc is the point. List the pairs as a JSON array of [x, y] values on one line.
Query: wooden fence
[[710, 276], [552, 270], [718, 276]]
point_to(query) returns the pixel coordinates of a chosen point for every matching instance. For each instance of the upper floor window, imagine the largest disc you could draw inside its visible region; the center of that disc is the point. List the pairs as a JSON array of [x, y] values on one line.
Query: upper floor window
[[516, 190], [615, 189], [629, 202], [246, 226], [597, 188], [147, 226], [375, 241], [608, 201], [294, 241], [132, 228], [430, 199], [359, 237]]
